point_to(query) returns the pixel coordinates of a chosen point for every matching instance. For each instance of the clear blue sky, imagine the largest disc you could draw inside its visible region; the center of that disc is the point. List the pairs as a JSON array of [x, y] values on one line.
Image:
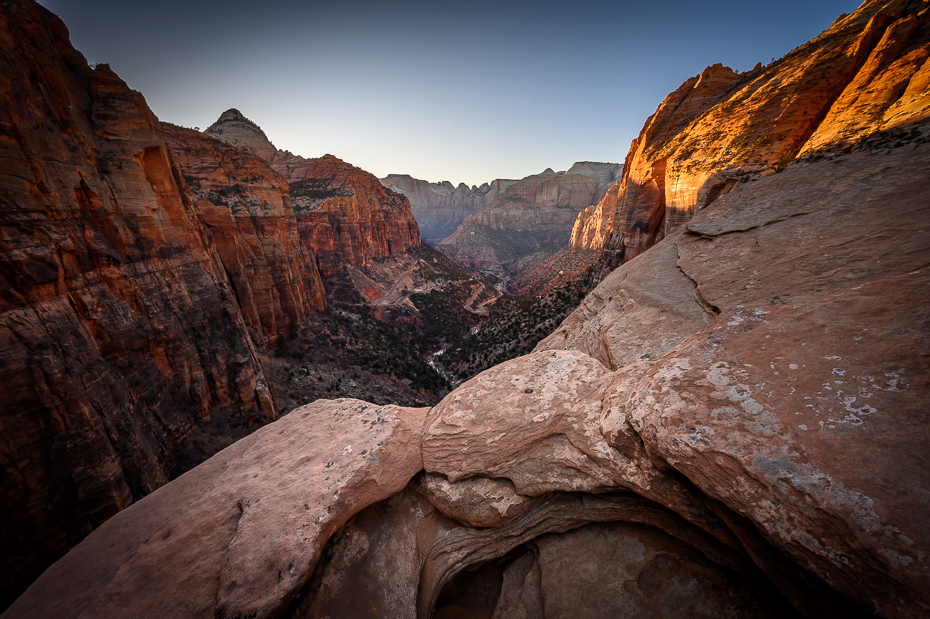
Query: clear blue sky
[[461, 92]]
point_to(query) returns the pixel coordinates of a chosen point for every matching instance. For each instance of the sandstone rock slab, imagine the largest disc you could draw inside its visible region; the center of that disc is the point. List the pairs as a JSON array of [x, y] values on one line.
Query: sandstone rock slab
[[239, 535], [813, 229], [810, 419], [637, 313]]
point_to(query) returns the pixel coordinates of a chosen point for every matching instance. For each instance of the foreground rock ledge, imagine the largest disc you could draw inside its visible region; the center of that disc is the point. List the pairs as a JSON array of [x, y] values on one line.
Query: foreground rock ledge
[[238, 535]]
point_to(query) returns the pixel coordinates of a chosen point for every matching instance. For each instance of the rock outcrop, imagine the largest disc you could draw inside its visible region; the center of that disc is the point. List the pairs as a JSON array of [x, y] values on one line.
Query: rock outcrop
[[346, 216], [440, 208], [272, 503], [245, 207], [865, 77], [344, 213], [732, 421], [234, 128], [120, 336], [532, 217]]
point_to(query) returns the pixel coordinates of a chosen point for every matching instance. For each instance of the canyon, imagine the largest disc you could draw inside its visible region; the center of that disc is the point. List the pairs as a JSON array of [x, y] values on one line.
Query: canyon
[[530, 220], [731, 423], [149, 272], [440, 208]]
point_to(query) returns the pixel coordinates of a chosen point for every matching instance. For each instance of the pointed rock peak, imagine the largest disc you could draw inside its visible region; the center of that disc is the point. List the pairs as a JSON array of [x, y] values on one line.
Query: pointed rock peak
[[331, 158], [231, 114], [234, 128], [548, 172]]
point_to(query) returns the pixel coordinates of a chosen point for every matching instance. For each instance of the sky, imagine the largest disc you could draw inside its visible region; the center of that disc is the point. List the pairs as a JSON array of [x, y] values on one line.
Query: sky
[[464, 92]]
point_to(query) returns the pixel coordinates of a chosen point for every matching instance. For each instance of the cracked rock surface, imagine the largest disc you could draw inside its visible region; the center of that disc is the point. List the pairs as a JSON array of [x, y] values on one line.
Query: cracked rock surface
[[733, 423]]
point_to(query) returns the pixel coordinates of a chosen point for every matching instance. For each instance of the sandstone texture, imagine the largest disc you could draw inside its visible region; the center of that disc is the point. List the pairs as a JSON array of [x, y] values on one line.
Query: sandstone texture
[[119, 333], [733, 423], [440, 208], [344, 213], [533, 217], [346, 216], [238, 535], [245, 207], [862, 83]]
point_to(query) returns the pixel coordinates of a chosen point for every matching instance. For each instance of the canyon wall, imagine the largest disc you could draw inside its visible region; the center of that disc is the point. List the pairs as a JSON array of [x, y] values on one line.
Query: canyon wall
[[733, 423], [730, 425], [440, 208], [866, 76], [245, 208], [121, 338], [532, 217], [344, 214]]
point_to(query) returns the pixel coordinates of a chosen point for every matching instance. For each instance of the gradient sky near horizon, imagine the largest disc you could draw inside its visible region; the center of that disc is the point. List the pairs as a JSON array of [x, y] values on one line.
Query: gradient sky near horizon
[[465, 92]]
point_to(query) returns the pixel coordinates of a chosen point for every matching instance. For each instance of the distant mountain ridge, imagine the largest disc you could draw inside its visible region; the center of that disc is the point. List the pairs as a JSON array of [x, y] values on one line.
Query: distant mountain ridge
[[532, 217], [440, 208]]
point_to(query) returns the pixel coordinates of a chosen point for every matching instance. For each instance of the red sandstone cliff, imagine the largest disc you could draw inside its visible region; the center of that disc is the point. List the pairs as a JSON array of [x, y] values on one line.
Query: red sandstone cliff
[[735, 423], [119, 332], [246, 209], [344, 213], [440, 208], [865, 76]]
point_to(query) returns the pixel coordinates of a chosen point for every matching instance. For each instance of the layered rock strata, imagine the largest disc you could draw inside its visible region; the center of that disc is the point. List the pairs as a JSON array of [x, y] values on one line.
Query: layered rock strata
[[234, 128], [440, 208], [119, 332], [731, 424], [532, 216], [723, 390], [245, 207], [344, 213], [865, 77]]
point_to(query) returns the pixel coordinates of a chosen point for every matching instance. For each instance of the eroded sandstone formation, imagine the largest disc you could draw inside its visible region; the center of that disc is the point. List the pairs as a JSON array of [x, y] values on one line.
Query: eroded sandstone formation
[[732, 424], [234, 128], [865, 77], [531, 219], [344, 213], [120, 336], [245, 207], [440, 208]]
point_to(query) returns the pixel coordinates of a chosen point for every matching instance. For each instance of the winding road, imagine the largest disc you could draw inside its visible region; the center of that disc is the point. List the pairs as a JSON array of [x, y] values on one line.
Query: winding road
[[481, 306]]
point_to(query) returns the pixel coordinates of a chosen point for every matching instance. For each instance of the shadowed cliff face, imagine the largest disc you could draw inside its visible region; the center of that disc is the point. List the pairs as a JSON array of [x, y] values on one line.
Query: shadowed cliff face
[[119, 332], [246, 209], [866, 75]]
